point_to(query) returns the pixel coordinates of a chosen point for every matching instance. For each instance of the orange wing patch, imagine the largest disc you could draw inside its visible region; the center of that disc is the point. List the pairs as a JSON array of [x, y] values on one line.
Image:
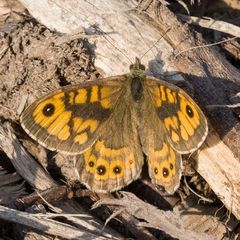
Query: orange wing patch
[[188, 117], [47, 111], [84, 128], [108, 152], [105, 169], [165, 170], [94, 94], [106, 93], [51, 114], [186, 120], [103, 156], [81, 138], [81, 96], [101, 94], [162, 94], [171, 96], [80, 125], [164, 167]]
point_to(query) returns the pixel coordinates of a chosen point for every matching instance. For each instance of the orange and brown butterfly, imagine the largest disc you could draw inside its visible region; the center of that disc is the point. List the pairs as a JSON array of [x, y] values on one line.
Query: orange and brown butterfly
[[116, 122]]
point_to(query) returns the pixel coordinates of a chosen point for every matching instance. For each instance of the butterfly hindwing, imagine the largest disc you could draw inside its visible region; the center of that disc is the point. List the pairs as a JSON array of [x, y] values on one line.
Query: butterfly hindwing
[[116, 158], [68, 119], [185, 123], [164, 166], [164, 162]]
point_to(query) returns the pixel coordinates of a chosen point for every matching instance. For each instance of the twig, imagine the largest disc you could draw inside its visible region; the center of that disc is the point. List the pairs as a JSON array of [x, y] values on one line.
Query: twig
[[112, 216], [204, 46], [53, 215], [213, 24], [201, 197], [227, 105], [54, 209]]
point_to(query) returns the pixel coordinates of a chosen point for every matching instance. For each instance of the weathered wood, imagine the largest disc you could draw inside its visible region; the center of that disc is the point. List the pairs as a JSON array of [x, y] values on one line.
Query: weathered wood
[[167, 221], [52, 227], [11, 187], [73, 208], [24, 164], [133, 32]]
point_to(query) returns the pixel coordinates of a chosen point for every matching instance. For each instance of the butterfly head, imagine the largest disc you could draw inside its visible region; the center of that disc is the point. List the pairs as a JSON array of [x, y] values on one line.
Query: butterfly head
[[137, 68]]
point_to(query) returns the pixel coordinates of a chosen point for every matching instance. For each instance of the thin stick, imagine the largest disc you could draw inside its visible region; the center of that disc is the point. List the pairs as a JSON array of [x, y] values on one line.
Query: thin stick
[[206, 45], [191, 190], [227, 105], [213, 24]]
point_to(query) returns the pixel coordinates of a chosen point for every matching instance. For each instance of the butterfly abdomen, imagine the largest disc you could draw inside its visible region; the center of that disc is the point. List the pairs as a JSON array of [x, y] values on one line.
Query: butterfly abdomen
[[136, 88]]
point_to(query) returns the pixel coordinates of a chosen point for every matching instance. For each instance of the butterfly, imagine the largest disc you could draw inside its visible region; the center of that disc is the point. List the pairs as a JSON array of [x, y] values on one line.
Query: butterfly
[[113, 124]]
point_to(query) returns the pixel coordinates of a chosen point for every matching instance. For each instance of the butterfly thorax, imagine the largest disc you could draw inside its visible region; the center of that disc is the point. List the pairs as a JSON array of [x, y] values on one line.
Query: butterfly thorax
[[137, 76]]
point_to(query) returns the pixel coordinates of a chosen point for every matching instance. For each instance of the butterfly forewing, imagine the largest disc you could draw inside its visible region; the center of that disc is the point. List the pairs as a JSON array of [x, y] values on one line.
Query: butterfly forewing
[[69, 119], [183, 120]]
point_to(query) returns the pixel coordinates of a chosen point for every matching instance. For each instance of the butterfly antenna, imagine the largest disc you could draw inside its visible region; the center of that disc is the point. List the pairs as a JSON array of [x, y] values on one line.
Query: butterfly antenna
[[155, 43], [106, 38]]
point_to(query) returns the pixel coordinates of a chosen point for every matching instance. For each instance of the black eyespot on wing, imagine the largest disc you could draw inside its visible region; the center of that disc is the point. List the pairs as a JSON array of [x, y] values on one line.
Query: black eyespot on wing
[[48, 110], [189, 111], [165, 172], [101, 170], [91, 164], [117, 170]]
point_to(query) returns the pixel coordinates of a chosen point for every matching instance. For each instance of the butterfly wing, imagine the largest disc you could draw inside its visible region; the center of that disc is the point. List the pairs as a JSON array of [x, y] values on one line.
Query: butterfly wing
[[97, 120], [69, 119], [184, 122], [164, 162], [116, 158]]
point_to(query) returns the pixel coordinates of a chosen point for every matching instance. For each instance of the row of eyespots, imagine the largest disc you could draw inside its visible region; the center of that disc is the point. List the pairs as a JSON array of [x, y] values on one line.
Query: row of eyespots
[[51, 114], [163, 94], [97, 94], [165, 170], [103, 168]]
